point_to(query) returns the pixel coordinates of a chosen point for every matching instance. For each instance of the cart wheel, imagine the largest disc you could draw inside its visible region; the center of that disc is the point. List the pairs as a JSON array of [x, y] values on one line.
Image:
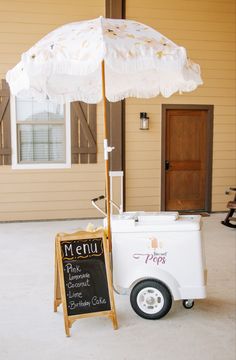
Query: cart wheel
[[150, 299], [188, 303]]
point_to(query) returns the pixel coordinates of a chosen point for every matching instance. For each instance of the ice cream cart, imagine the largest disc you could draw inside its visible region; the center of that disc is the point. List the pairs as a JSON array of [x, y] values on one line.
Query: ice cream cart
[[158, 257]]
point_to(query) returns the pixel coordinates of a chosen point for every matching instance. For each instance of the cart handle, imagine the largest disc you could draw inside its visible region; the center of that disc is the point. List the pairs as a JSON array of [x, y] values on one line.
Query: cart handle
[[102, 197]]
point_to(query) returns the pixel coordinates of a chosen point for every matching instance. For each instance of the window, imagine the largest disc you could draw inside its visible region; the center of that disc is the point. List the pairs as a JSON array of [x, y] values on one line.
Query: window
[[40, 134]]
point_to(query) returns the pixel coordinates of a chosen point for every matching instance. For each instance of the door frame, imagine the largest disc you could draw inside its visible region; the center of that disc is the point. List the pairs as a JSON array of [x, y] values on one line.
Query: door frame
[[208, 186]]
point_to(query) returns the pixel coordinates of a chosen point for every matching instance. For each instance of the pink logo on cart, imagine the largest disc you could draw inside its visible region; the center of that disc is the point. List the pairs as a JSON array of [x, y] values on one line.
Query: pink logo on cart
[[156, 256]]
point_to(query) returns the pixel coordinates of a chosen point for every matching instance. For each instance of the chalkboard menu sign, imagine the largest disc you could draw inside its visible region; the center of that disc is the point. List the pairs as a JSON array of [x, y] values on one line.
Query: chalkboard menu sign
[[83, 277]]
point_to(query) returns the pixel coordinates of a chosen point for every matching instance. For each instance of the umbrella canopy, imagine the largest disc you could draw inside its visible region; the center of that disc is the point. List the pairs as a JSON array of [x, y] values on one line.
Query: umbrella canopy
[[103, 58], [140, 62]]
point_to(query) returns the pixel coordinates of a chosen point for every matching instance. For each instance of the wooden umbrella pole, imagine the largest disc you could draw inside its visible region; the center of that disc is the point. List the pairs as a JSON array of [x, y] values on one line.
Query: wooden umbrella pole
[[106, 155]]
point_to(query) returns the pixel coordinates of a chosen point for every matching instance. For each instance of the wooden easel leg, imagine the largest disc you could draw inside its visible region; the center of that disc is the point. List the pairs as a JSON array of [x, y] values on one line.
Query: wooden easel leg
[[67, 326], [57, 290], [55, 281], [114, 321], [113, 310]]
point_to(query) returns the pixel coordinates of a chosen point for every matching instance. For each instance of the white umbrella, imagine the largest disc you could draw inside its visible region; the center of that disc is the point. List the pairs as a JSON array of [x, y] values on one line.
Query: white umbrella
[[103, 58]]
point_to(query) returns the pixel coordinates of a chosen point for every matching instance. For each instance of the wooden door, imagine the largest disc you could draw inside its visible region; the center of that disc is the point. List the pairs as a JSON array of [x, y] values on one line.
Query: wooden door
[[186, 160]]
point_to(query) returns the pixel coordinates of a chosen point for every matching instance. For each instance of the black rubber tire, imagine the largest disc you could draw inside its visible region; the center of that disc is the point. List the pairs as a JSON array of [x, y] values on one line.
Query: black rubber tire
[[186, 306], [156, 285]]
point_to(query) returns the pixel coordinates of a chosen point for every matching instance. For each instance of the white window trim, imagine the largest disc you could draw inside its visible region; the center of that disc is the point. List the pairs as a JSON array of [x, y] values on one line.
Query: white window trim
[[16, 165]]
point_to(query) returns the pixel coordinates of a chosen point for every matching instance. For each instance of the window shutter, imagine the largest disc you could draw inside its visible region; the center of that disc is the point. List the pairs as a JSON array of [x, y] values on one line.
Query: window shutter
[[5, 125], [83, 133]]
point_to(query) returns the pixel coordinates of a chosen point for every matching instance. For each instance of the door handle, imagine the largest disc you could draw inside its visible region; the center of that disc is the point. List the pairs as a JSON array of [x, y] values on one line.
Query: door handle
[[167, 165]]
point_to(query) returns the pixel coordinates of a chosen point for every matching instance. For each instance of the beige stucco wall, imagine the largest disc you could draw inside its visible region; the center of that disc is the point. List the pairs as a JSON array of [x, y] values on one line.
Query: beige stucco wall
[[207, 29], [46, 194]]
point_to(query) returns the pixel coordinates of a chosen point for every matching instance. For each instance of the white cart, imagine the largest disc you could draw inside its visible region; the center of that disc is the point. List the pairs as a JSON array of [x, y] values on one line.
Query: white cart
[[158, 257]]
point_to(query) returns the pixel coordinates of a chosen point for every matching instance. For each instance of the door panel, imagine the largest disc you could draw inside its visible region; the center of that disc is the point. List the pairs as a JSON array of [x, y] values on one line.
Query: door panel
[[184, 197], [186, 158]]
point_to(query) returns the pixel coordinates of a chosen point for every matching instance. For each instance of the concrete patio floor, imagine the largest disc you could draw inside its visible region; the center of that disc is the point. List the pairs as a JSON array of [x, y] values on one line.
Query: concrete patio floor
[[30, 330]]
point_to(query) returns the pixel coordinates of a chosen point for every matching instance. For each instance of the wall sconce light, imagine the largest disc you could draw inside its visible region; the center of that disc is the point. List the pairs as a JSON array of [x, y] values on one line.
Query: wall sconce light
[[144, 121]]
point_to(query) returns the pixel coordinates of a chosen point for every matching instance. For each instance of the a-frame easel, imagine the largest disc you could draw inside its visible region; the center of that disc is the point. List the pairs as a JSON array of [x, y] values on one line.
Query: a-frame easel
[[81, 237]]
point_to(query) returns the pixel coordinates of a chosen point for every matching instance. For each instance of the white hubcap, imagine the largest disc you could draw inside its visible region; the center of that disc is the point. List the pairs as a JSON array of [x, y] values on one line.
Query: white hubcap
[[150, 300]]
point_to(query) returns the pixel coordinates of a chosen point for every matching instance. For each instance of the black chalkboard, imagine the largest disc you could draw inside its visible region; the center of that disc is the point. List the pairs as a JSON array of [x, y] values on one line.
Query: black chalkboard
[[85, 277]]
